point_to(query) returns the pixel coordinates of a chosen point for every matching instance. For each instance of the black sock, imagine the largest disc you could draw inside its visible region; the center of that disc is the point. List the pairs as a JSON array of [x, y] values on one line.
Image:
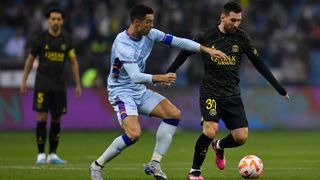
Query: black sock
[[200, 151], [54, 136], [228, 142], [41, 135]]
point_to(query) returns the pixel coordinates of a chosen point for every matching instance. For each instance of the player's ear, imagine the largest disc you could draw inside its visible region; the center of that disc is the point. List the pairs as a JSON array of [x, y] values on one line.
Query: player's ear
[[222, 16], [136, 21]]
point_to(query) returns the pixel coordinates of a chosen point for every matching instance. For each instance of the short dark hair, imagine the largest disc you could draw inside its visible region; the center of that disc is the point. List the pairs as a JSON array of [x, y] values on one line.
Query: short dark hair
[[140, 11], [231, 7], [55, 9]]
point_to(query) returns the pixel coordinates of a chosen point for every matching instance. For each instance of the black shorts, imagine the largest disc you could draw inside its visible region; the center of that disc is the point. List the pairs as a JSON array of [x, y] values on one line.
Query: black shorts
[[230, 110], [53, 101]]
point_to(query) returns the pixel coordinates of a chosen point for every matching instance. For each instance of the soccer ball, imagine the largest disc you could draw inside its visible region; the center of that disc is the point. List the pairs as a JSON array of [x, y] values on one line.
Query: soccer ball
[[250, 167]]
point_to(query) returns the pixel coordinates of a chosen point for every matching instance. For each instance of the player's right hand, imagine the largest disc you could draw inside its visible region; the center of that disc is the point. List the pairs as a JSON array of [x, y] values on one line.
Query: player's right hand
[[218, 54], [169, 78], [214, 52], [23, 88]]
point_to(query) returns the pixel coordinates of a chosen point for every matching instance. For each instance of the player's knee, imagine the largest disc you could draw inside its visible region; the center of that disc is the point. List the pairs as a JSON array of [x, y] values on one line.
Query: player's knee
[[42, 117], [134, 135], [210, 129], [241, 139], [175, 113], [209, 132]]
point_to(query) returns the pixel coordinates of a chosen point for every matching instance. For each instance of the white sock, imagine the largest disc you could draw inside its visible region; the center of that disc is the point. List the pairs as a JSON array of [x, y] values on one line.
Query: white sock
[[218, 145], [191, 170], [112, 151], [163, 140]]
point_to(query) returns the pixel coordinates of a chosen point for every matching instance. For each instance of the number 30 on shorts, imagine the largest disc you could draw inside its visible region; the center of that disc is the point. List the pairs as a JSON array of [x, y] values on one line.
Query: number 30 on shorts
[[211, 106], [211, 103]]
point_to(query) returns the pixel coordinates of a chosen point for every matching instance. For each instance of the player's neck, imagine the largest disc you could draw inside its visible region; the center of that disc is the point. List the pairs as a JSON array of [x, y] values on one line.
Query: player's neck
[[132, 32], [54, 33], [221, 28]]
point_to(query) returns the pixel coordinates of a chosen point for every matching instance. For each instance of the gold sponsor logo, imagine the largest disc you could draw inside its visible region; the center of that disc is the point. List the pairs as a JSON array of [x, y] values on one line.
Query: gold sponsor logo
[[54, 56], [230, 61]]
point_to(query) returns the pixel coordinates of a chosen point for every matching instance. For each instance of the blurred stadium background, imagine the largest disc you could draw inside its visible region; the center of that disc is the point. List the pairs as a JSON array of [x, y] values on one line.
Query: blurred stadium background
[[286, 33]]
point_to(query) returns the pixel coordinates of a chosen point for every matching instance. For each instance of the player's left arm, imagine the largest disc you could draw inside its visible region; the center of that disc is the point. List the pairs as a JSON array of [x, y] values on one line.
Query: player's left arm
[[185, 44], [75, 71], [253, 55]]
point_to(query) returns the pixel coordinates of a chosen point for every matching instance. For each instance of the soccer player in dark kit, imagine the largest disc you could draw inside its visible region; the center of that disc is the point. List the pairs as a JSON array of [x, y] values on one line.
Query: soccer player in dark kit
[[219, 90], [53, 48]]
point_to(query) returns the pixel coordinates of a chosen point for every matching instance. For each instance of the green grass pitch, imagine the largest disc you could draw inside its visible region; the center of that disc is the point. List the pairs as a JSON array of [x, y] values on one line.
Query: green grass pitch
[[290, 155]]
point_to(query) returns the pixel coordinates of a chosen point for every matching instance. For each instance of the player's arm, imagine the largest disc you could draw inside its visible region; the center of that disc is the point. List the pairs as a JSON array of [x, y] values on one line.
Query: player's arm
[[189, 45], [139, 77], [75, 72], [180, 59], [33, 52], [185, 44], [262, 68], [26, 70]]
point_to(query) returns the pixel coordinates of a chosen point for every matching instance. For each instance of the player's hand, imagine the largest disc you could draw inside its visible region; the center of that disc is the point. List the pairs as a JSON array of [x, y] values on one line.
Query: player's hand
[[78, 92], [287, 97], [218, 54], [214, 52], [169, 78], [23, 88], [165, 78]]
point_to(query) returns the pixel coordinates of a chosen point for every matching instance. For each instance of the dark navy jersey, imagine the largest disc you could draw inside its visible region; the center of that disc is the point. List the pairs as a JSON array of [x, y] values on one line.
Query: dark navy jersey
[[52, 52], [221, 77]]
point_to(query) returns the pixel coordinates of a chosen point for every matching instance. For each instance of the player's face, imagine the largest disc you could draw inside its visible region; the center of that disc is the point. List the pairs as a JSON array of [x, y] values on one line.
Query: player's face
[[231, 21], [145, 25], [55, 21]]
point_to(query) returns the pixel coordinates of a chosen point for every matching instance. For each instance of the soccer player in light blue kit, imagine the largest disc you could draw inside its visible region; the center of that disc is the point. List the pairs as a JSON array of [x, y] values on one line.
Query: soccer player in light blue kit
[[130, 97]]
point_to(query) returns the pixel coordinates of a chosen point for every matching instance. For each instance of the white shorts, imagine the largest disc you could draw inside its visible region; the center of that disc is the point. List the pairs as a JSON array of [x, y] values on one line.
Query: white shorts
[[125, 105]]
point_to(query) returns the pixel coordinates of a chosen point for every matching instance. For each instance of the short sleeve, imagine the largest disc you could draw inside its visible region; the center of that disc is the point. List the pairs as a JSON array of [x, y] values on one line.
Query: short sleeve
[[157, 35], [125, 53], [71, 51], [35, 44]]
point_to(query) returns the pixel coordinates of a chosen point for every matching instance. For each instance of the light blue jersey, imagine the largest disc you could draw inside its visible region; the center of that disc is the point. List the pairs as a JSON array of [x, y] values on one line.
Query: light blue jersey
[[126, 49], [128, 60]]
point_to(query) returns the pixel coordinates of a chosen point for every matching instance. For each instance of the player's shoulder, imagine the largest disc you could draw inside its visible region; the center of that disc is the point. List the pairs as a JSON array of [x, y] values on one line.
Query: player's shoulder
[[242, 33], [65, 35], [211, 30]]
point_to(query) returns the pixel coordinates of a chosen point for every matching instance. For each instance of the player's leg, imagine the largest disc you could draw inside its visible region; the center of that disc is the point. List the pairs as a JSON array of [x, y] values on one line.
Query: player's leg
[[57, 107], [127, 114], [209, 131], [156, 105], [132, 133], [210, 116], [235, 119], [40, 106]]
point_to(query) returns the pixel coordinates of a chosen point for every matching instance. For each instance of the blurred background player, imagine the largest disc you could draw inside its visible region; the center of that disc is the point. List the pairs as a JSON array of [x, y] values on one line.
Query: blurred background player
[[53, 48], [219, 90], [130, 97]]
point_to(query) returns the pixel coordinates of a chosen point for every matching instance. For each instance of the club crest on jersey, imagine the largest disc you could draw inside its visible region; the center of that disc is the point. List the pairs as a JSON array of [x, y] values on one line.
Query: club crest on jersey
[[63, 47], [235, 48], [213, 112]]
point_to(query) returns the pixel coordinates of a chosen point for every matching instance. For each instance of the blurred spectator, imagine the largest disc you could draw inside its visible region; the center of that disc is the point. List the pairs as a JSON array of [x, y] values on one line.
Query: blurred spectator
[[15, 46], [286, 32]]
